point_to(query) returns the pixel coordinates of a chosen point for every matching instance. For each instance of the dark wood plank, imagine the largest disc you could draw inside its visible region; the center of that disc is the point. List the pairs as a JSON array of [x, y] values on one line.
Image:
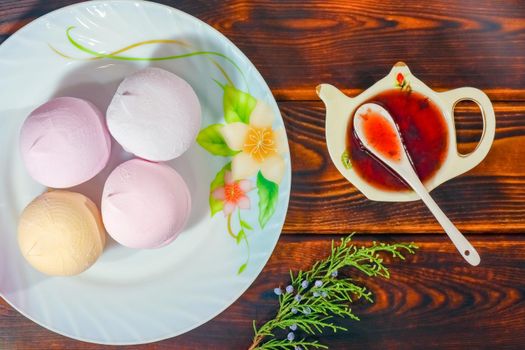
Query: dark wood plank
[[434, 300], [490, 198], [351, 44]]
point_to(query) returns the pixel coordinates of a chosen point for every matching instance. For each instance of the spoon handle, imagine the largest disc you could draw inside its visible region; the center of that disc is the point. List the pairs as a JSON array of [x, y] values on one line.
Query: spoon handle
[[467, 251], [372, 117]]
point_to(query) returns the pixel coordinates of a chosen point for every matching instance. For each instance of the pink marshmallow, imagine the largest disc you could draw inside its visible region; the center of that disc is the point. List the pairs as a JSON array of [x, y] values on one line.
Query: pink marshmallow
[[65, 142]]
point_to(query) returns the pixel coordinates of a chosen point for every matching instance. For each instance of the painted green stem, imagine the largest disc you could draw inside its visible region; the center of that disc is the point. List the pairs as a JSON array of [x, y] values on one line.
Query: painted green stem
[[116, 56]]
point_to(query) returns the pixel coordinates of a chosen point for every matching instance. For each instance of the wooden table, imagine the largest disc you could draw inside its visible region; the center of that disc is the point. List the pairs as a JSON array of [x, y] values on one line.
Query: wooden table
[[435, 300]]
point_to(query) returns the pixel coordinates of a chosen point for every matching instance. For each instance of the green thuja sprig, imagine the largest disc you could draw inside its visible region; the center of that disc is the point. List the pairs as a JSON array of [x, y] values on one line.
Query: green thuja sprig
[[314, 298]]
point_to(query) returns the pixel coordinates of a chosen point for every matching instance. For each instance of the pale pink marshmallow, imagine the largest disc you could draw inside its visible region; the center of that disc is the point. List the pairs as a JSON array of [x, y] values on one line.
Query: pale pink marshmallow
[[154, 114], [145, 204]]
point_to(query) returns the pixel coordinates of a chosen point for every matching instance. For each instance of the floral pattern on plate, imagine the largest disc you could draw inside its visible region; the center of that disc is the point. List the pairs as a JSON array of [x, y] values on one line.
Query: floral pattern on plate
[[255, 149]]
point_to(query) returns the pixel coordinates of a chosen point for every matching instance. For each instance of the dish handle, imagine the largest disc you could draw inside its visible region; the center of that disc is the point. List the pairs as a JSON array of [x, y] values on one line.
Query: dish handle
[[465, 162]]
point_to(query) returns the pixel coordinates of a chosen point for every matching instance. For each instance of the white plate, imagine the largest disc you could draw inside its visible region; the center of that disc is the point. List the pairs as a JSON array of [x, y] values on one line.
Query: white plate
[[129, 296]]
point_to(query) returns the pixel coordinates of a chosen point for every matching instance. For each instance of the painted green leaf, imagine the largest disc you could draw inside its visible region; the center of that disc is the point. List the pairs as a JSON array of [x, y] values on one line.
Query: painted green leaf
[[211, 139], [345, 159], [246, 225], [215, 204], [242, 268], [240, 236], [268, 194], [238, 105]]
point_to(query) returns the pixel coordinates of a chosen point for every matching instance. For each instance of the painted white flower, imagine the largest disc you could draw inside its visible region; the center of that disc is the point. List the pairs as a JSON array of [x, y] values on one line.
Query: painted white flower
[[261, 147]]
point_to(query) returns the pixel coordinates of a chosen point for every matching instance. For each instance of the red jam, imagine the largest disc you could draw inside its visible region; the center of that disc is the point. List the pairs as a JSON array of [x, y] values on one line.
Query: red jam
[[423, 132], [381, 135]]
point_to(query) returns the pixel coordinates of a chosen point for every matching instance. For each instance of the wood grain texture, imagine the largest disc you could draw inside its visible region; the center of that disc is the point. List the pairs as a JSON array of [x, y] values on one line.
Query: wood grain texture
[[433, 301], [488, 199], [297, 45]]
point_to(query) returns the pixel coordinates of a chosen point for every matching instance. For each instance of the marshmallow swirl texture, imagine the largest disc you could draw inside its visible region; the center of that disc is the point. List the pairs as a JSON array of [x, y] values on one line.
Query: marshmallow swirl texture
[[144, 204], [60, 233], [65, 142], [154, 114]]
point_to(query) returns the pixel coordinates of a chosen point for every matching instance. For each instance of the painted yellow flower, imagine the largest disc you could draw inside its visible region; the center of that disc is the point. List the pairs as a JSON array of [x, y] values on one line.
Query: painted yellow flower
[[261, 147]]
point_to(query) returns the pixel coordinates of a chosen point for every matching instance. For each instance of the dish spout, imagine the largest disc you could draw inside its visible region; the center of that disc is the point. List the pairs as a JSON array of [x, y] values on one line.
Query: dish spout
[[329, 93]]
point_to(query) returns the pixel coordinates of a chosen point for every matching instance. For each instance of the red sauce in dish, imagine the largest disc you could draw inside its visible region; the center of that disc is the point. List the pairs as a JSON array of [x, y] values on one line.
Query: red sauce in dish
[[423, 133]]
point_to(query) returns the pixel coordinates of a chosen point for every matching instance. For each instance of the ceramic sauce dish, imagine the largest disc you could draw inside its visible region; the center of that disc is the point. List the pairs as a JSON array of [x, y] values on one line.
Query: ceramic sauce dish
[[425, 119]]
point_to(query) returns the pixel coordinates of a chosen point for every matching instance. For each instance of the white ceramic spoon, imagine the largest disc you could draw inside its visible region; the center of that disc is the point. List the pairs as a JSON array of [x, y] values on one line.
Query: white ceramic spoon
[[378, 133]]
